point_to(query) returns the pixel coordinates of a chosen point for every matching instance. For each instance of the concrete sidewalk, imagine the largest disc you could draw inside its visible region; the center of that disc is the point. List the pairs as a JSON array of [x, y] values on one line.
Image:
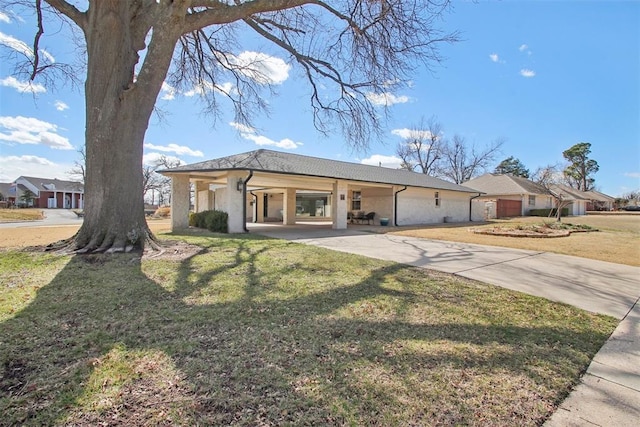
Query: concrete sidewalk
[[609, 393]]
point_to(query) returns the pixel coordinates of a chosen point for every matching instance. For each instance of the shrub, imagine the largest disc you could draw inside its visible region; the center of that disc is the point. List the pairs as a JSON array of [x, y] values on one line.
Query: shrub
[[547, 212], [162, 212], [215, 221]]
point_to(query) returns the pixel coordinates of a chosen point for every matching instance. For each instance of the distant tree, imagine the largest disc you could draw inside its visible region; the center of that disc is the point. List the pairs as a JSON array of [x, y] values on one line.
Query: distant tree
[[422, 148], [549, 177], [461, 162], [581, 167], [78, 171], [351, 52], [153, 181], [27, 197], [512, 166], [632, 198]]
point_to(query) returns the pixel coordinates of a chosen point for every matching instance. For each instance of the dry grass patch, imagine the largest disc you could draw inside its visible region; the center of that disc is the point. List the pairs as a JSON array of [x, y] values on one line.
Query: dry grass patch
[[11, 215], [618, 238], [253, 331], [22, 237]]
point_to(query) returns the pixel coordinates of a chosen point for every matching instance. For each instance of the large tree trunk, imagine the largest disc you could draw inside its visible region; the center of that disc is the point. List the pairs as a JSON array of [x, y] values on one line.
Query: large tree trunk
[[118, 108]]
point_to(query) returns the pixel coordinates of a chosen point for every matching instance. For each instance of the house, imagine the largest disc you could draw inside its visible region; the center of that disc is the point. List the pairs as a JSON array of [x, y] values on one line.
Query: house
[[509, 196], [265, 185], [576, 200], [49, 193], [599, 201]]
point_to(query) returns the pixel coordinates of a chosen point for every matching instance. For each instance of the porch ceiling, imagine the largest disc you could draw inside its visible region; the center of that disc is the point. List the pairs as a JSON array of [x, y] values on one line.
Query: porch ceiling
[[275, 181]]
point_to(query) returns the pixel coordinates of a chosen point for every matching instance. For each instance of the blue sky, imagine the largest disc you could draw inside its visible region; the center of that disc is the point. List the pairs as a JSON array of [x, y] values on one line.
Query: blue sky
[[544, 75]]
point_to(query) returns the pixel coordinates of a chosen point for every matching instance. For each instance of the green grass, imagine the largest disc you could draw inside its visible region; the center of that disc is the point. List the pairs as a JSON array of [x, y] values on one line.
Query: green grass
[[252, 331]]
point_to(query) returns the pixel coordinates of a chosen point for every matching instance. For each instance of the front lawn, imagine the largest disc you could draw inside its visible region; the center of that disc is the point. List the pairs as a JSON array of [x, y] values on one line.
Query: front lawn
[[253, 331], [11, 215]]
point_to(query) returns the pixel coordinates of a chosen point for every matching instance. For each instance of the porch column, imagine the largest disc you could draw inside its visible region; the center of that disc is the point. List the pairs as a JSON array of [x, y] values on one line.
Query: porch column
[[202, 202], [235, 202], [289, 207], [339, 205], [259, 206], [179, 202]]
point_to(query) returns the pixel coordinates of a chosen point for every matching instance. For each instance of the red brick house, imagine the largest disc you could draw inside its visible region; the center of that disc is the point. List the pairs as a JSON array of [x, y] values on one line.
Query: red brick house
[[49, 193]]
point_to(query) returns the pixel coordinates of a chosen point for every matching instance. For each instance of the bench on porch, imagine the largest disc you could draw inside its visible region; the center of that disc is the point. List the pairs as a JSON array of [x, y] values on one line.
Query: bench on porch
[[360, 217]]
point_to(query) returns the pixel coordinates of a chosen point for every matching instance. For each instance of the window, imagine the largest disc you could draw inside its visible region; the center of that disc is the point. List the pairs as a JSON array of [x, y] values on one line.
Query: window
[[437, 198], [355, 201], [532, 200]]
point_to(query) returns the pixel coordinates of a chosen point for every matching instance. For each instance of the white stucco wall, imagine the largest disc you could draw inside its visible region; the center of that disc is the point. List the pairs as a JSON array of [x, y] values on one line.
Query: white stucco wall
[[378, 200], [578, 207], [542, 202], [418, 206]]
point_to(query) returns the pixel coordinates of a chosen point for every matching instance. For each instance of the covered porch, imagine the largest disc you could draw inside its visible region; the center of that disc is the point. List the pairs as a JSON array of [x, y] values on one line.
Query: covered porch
[[261, 197]]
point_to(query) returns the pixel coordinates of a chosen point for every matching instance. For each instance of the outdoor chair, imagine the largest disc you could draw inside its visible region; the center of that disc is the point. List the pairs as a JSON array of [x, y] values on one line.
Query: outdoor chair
[[369, 217]]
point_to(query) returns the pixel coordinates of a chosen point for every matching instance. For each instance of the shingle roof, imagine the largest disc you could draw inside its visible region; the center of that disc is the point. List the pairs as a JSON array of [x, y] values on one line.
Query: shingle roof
[[296, 164], [4, 188], [47, 184], [598, 196], [499, 184], [569, 193]]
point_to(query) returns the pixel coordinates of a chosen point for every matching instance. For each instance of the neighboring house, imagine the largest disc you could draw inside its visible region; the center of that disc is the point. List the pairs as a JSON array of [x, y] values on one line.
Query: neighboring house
[[509, 196], [265, 185], [599, 201], [577, 200], [49, 193]]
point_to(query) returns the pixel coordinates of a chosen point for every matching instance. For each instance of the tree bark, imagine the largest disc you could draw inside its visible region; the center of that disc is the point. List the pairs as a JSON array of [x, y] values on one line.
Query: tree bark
[[118, 109]]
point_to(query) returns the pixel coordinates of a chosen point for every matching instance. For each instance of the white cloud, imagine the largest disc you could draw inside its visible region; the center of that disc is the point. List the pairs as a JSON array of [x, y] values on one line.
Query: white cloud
[[201, 89], [263, 140], [15, 44], [29, 130], [386, 98], [242, 128], [5, 18], [152, 159], [61, 106], [523, 47], [382, 160], [262, 68], [494, 57], [405, 133], [22, 87], [46, 55], [168, 92], [250, 134], [175, 148], [632, 174], [527, 73], [12, 167]]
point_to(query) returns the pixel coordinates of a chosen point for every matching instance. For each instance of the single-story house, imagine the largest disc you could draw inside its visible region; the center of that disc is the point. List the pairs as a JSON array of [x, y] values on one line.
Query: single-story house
[[509, 196], [49, 193], [265, 185], [577, 200], [599, 201]]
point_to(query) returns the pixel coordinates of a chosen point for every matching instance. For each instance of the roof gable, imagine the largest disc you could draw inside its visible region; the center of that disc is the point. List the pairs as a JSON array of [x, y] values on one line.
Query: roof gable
[[296, 164], [504, 184], [48, 184]]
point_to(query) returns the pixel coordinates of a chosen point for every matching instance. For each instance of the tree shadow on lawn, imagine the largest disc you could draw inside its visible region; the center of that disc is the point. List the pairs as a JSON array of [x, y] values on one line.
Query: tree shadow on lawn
[[217, 339]]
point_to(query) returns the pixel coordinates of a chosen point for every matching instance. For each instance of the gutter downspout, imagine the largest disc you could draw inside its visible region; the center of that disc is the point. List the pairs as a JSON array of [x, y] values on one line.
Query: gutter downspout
[[470, 202], [255, 206], [395, 205], [244, 200]]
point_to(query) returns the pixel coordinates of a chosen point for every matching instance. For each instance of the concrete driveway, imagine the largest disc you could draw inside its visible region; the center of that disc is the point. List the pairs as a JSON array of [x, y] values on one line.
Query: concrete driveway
[[596, 286]]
